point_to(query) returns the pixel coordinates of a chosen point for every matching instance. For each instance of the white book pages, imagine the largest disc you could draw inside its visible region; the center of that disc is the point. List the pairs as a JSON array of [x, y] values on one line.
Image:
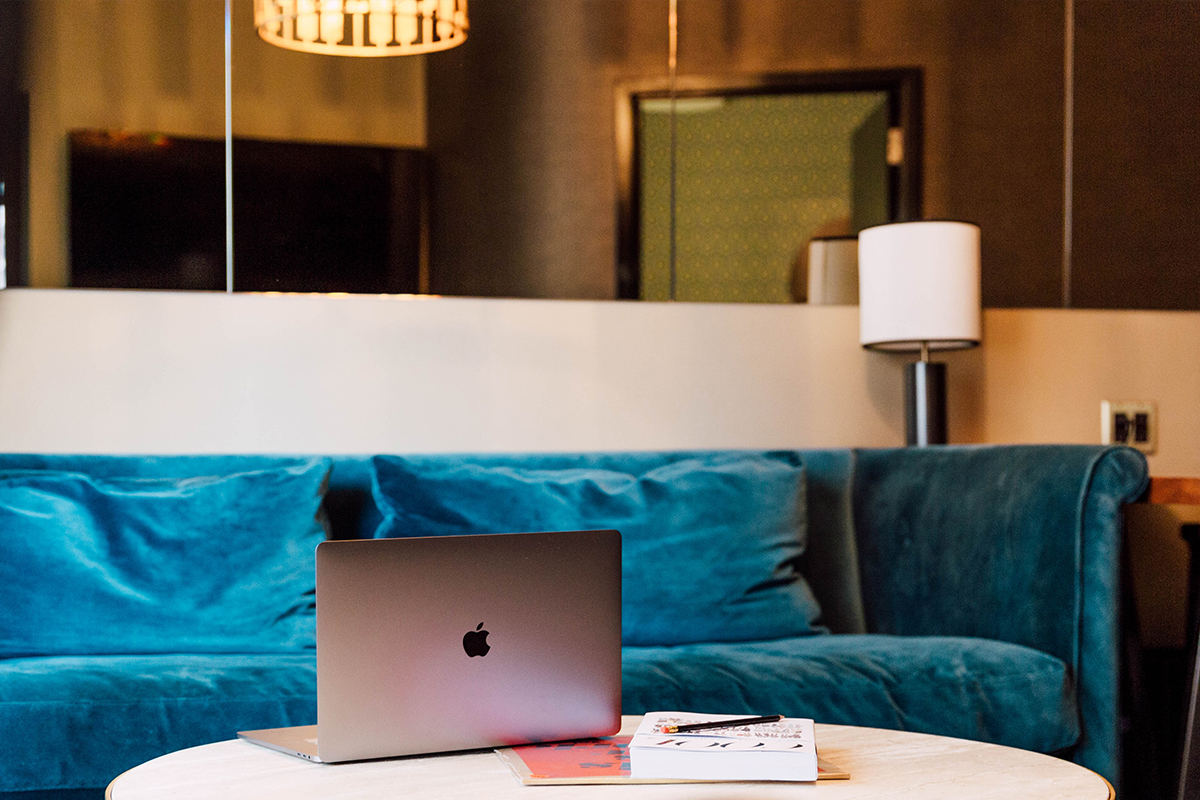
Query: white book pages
[[775, 751]]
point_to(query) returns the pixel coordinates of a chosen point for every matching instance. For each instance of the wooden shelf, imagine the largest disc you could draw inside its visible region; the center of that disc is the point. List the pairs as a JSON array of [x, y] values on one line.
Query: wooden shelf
[[1182, 491]]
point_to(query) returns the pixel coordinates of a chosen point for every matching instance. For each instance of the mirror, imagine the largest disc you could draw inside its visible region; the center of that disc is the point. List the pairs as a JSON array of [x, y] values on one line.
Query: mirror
[[770, 173], [150, 76], [519, 124], [147, 211]]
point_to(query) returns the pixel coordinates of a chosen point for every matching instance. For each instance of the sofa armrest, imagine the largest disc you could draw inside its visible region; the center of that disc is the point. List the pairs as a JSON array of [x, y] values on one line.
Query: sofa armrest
[[1019, 543]]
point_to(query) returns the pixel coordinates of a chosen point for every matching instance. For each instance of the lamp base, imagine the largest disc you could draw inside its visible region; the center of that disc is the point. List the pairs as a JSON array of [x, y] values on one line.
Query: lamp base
[[925, 403]]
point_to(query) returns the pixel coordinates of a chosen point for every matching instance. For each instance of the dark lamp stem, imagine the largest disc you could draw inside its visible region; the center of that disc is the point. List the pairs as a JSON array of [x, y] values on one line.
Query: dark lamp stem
[[925, 403]]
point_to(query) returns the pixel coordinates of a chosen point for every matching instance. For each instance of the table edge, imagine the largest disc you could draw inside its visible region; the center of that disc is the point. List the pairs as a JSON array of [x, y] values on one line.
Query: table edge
[[1112, 793]]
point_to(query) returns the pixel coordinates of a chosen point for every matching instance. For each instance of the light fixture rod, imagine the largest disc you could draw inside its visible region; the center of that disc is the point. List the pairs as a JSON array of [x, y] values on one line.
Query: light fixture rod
[[672, 52], [228, 148], [1068, 146]]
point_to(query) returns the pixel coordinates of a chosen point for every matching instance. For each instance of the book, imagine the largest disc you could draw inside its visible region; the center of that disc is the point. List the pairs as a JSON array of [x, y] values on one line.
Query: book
[[603, 760], [774, 751]]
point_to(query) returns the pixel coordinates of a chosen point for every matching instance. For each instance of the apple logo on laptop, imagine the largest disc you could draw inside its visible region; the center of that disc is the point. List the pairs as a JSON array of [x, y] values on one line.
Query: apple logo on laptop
[[475, 642]]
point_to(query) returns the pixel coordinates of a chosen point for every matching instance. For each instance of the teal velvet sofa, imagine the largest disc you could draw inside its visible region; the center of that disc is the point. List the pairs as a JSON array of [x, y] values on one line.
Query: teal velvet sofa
[[155, 603]]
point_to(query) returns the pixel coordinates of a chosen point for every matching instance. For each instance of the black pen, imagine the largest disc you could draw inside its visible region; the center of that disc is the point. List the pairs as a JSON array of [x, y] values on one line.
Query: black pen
[[724, 723]]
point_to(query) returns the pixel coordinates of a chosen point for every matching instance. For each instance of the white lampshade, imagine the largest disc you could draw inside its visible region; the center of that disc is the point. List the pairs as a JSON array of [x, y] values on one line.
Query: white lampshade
[[833, 271], [362, 27], [918, 284]]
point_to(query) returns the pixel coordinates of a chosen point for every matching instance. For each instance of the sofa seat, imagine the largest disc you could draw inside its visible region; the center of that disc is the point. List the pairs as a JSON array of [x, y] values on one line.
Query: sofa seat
[[77, 721], [954, 686]]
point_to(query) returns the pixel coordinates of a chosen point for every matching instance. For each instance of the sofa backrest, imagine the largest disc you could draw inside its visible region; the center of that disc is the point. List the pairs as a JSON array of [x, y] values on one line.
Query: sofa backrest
[[871, 498], [994, 542], [830, 562]]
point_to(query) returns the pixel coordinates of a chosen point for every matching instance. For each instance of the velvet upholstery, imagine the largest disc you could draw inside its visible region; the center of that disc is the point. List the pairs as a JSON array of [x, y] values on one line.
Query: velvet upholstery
[[159, 565], [347, 510], [1017, 544], [149, 466], [970, 688], [73, 722], [830, 560], [941, 554], [732, 522]]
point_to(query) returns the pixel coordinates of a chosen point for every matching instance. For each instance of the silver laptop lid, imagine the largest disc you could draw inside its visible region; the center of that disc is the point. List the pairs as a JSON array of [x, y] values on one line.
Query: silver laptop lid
[[459, 642]]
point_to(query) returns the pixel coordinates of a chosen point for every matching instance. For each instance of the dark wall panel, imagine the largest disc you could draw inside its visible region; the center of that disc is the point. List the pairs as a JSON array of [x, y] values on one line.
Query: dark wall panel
[[1005, 143], [522, 134], [1137, 155]]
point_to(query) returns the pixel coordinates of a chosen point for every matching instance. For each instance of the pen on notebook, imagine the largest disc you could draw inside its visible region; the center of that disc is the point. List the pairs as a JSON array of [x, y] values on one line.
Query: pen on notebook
[[724, 723]]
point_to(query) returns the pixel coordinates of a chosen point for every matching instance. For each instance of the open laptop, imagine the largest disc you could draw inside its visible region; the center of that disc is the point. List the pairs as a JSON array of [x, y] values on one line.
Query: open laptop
[[462, 642]]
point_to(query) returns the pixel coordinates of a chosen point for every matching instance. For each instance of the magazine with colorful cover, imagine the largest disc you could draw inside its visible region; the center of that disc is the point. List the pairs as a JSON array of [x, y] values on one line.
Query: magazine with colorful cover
[[607, 759]]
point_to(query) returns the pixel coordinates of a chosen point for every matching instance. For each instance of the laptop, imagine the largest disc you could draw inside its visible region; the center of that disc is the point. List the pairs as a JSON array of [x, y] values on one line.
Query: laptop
[[445, 643]]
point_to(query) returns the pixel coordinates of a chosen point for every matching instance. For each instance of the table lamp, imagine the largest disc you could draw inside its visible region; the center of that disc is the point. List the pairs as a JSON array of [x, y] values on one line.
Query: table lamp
[[918, 292]]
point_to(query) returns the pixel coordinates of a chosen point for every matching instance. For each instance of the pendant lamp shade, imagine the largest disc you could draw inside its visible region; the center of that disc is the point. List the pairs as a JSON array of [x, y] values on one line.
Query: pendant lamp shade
[[919, 285], [362, 27]]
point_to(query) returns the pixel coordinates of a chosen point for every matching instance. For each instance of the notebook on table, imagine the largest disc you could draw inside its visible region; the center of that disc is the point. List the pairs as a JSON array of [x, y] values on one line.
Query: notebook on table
[[448, 643]]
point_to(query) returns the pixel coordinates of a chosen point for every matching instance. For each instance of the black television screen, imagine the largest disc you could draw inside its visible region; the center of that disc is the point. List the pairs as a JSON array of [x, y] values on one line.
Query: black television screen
[[147, 211]]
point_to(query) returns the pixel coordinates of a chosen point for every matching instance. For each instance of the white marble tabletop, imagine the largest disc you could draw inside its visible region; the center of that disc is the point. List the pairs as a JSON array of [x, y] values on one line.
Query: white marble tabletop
[[881, 763]]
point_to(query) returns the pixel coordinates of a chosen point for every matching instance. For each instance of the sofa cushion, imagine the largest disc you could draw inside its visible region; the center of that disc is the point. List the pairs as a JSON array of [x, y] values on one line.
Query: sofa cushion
[[201, 564], [969, 688], [100, 465], [710, 539], [83, 720]]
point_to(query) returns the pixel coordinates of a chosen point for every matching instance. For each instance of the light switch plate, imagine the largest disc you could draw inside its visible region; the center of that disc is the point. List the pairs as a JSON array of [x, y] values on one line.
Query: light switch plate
[[1130, 422]]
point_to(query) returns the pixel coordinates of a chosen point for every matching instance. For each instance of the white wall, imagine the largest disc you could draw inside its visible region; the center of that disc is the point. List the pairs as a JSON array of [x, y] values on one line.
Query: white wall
[[1041, 374], [96, 371]]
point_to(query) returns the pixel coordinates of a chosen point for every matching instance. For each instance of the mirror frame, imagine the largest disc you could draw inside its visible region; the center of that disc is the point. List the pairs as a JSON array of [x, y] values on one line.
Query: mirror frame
[[905, 89]]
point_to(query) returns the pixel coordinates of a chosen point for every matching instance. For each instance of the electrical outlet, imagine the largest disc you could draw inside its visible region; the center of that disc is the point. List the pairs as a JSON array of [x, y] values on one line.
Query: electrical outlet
[[1129, 422]]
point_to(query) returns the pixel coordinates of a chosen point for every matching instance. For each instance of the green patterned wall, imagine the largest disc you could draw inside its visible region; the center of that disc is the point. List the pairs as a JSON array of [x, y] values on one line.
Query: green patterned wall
[[756, 176]]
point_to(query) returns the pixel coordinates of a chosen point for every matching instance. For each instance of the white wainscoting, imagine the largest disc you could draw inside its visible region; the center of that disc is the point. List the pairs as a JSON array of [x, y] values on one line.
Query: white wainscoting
[[160, 372]]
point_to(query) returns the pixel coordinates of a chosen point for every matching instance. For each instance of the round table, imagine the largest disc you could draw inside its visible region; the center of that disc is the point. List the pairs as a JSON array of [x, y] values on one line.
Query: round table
[[881, 763]]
